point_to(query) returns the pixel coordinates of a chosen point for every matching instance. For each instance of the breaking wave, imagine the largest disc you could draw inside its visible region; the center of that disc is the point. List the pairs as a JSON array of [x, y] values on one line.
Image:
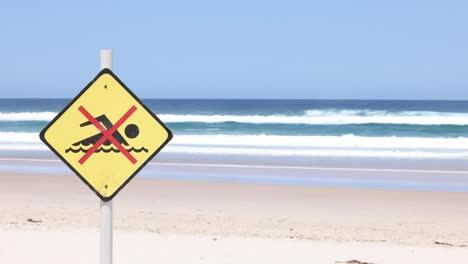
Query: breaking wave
[[310, 117], [27, 116], [331, 117], [269, 145]]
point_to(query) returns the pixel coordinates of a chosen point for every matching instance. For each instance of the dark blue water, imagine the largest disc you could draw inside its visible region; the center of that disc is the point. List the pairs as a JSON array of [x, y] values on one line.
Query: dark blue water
[[245, 107]]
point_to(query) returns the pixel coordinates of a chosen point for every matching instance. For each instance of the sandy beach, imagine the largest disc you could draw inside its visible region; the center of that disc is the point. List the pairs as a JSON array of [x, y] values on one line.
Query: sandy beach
[[180, 221]]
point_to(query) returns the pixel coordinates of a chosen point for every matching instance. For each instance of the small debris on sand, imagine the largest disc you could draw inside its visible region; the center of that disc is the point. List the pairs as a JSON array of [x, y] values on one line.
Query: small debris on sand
[[353, 262], [33, 221], [448, 244]]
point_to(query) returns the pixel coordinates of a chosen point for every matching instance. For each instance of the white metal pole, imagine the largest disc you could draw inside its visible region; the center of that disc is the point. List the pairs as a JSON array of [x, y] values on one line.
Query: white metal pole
[[106, 207]]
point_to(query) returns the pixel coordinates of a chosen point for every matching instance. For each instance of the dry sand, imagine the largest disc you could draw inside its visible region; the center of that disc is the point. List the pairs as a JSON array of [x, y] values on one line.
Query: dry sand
[[54, 219]]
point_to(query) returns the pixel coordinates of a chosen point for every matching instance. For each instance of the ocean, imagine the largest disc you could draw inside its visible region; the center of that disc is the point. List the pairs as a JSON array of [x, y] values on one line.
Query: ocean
[[291, 128]]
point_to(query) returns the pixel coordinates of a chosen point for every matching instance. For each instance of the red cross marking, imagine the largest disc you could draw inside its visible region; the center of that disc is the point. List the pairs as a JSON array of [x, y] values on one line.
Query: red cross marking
[[107, 134]]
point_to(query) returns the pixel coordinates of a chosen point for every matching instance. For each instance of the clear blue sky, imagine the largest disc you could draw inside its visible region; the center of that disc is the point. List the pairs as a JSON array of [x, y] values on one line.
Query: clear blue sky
[[239, 49]]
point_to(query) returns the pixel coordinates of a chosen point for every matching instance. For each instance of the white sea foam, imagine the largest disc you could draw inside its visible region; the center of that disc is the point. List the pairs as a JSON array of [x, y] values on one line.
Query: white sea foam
[[19, 137], [320, 153], [27, 116], [333, 117], [308, 146], [336, 119], [310, 117], [346, 141]]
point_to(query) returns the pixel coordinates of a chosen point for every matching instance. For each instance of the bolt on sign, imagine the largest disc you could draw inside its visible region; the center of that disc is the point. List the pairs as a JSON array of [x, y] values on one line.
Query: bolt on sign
[[106, 135]]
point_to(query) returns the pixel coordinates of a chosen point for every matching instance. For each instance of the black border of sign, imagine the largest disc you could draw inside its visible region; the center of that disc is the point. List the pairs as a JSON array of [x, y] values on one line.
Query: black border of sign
[[102, 72]]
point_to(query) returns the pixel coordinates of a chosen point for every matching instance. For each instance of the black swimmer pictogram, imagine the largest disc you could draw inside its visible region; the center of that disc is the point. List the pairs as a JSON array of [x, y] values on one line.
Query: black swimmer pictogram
[[131, 131]]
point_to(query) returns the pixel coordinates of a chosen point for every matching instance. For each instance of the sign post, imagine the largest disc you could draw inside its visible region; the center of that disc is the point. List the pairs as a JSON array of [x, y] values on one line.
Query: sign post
[[106, 135], [106, 207]]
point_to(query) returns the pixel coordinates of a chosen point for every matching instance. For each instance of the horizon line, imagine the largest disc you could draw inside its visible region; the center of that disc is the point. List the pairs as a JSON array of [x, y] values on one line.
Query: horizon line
[[269, 99]]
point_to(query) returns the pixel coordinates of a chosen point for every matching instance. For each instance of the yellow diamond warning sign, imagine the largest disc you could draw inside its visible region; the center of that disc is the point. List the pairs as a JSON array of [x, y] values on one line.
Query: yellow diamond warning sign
[[106, 135]]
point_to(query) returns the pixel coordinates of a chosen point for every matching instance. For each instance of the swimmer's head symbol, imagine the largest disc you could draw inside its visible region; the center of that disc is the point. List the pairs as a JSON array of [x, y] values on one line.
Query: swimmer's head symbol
[[132, 131]]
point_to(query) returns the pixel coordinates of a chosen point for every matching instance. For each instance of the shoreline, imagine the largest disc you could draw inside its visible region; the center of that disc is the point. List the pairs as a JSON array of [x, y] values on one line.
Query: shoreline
[[250, 166], [418, 175]]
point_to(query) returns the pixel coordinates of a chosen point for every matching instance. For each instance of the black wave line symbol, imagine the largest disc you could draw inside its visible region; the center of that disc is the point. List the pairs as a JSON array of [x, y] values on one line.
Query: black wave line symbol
[[75, 150], [80, 149], [132, 149]]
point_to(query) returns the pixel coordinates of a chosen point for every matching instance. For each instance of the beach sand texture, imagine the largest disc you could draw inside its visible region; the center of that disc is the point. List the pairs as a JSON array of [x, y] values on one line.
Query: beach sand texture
[[54, 219]]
